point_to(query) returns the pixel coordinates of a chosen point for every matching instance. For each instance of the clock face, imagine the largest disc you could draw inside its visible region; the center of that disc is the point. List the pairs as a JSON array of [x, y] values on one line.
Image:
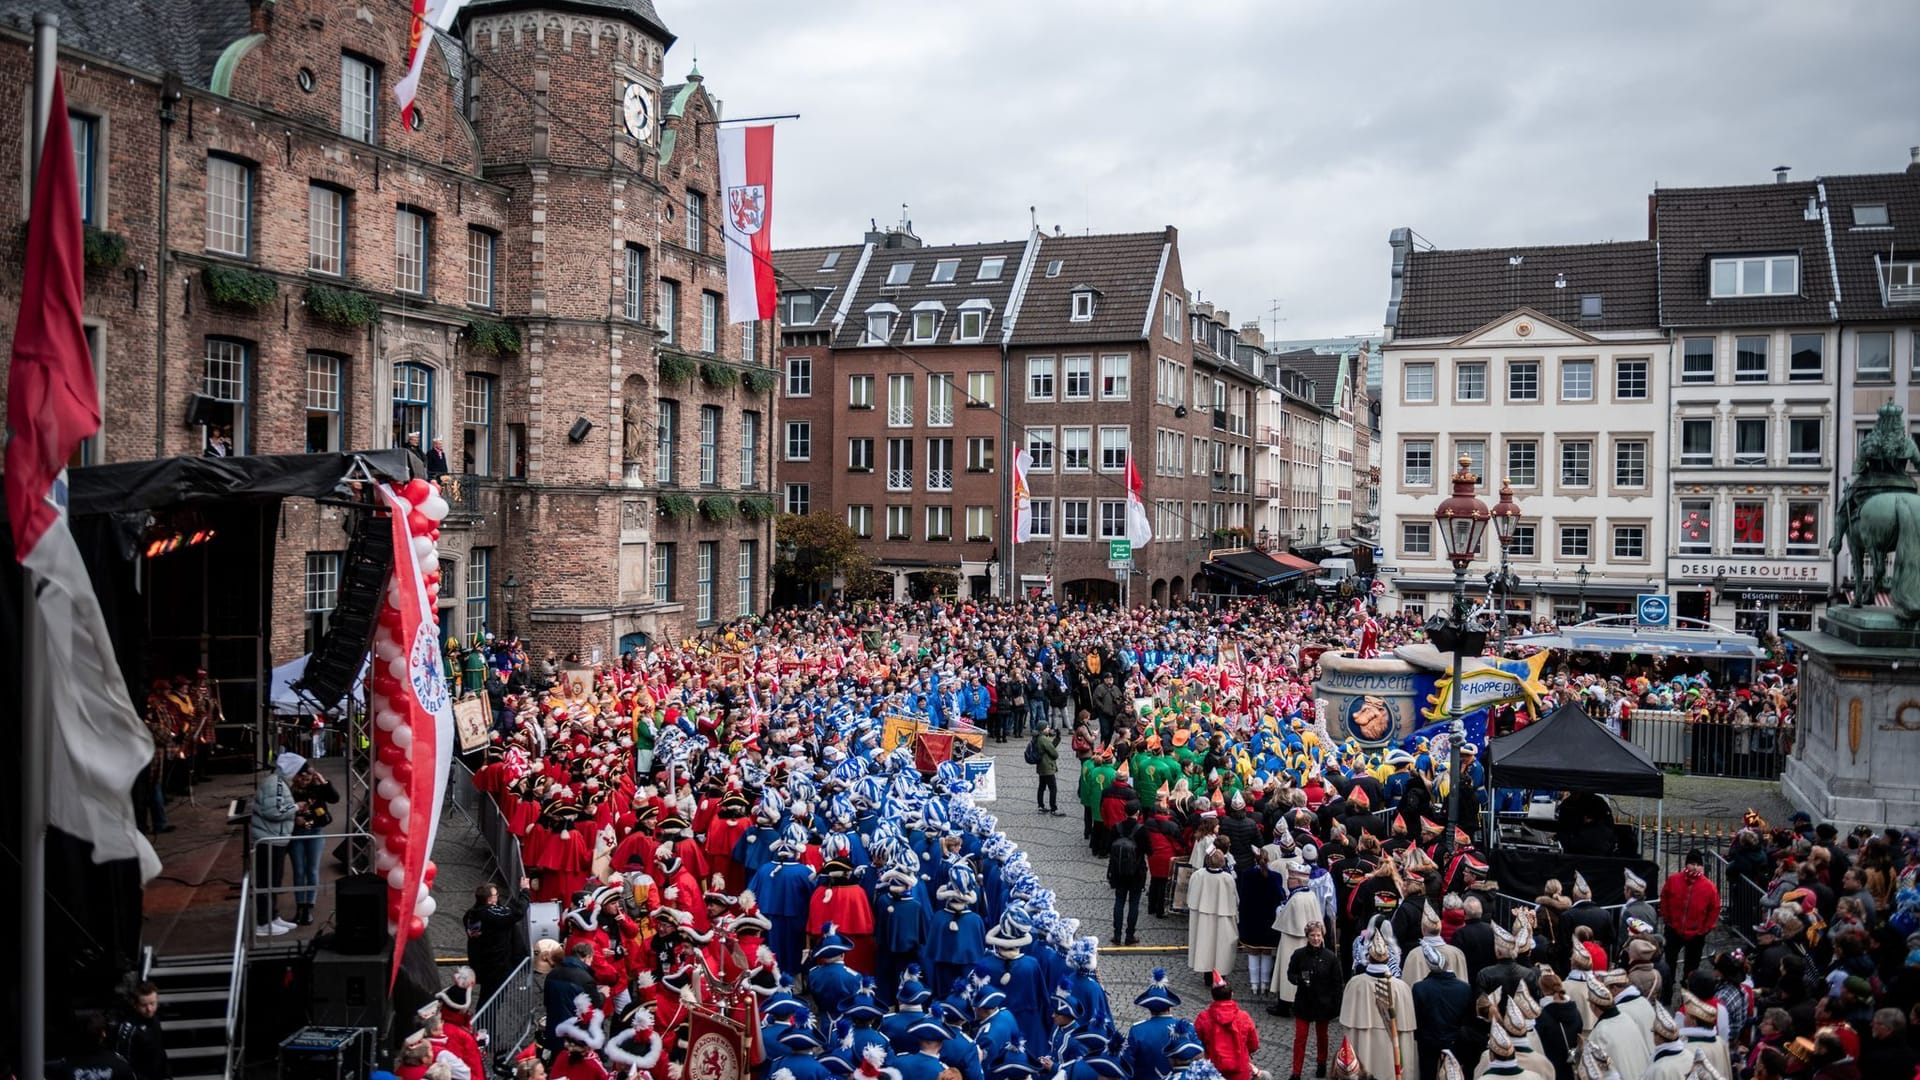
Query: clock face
[[636, 111]]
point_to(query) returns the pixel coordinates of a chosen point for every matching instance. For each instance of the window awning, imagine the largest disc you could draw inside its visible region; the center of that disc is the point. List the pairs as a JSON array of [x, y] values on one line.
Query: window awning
[[1253, 568], [1622, 639], [1295, 561]]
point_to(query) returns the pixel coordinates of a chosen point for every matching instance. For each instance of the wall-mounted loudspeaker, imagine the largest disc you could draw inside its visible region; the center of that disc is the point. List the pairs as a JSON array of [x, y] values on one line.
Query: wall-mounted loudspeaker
[[579, 430]]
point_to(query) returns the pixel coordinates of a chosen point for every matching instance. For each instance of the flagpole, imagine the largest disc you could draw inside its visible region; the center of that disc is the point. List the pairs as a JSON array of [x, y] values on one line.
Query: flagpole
[[34, 737]]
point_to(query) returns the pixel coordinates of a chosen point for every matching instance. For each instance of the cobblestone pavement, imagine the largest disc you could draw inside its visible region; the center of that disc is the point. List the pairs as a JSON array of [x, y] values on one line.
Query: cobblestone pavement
[[1078, 880]]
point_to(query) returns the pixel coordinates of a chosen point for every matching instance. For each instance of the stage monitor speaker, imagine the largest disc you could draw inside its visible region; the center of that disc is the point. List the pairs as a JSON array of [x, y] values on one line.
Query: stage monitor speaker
[[348, 990], [342, 652], [327, 1053], [202, 410], [360, 915]]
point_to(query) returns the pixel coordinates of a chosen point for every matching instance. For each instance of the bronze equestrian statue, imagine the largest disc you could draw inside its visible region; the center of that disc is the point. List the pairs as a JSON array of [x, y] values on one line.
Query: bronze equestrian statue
[[1880, 516]]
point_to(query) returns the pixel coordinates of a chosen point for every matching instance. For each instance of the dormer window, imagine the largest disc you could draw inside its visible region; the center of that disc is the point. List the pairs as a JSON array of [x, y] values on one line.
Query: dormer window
[[898, 273], [926, 324], [973, 320], [1903, 281], [1738, 276], [1083, 303], [802, 309], [945, 270], [879, 324]]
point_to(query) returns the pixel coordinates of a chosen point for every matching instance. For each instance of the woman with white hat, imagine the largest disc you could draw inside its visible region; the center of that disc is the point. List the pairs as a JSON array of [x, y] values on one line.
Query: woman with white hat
[[267, 834]]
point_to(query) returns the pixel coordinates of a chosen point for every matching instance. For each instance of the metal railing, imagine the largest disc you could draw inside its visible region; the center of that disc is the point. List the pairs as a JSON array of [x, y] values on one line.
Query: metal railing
[[938, 416], [939, 479], [899, 416], [1711, 747], [510, 1012], [237, 980], [899, 479]]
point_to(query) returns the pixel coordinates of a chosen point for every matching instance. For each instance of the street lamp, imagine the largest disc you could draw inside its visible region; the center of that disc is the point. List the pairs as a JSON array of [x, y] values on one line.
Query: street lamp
[[1266, 538], [1462, 519], [1580, 601], [506, 593], [1047, 557], [1506, 515]]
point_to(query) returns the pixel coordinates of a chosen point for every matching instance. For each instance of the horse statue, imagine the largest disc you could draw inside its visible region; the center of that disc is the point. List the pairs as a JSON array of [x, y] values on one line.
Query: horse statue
[[1880, 517]]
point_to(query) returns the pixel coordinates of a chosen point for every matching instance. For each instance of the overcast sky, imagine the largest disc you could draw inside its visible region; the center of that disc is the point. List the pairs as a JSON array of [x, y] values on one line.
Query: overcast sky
[[1286, 139]]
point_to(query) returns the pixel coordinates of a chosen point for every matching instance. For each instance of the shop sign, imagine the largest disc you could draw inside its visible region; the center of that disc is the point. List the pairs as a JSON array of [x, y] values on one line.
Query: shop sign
[[1704, 571]]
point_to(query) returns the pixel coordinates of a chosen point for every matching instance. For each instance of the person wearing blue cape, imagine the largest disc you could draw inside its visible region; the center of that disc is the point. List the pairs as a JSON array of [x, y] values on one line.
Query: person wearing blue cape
[[910, 1008], [959, 1052], [1145, 1055], [1083, 984], [831, 982], [1096, 1061], [995, 1030], [797, 1061], [1189, 1057], [923, 1062], [901, 924], [859, 1026], [957, 941], [1017, 975], [784, 887], [1062, 1048]]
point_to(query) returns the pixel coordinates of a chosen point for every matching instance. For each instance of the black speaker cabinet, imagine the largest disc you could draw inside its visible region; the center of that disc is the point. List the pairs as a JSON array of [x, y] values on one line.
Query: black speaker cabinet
[[360, 915], [349, 991], [327, 1053]]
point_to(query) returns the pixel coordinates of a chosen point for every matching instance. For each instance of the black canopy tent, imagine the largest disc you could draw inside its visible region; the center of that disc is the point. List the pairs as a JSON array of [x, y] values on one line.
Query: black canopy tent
[[1566, 750], [206, 603]]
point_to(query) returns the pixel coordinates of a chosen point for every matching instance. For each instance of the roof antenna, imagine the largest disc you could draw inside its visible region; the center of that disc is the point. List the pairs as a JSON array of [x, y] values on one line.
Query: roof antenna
[[1033, 217]]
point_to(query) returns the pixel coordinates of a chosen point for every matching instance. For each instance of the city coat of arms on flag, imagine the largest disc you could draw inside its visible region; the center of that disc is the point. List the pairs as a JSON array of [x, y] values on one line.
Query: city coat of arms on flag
[[747, 204]]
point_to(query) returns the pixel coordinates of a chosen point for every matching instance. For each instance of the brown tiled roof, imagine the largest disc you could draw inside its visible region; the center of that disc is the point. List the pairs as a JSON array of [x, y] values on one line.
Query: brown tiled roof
[[1123, 266], [799, 268], [873, 288], [1854, 249], [1449, 293], [1694, 225]]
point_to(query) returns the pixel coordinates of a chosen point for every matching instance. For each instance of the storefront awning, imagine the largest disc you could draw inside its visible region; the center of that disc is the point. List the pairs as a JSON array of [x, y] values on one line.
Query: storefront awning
[[1295, 561], [1253, 568], [1621, 639]]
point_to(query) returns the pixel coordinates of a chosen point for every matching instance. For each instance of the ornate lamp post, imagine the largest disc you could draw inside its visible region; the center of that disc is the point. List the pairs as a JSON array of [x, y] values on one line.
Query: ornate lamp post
[[1047, 556], [506, 594], [1266, 539], [1580, 602], [1462, 519], [1506, 515]]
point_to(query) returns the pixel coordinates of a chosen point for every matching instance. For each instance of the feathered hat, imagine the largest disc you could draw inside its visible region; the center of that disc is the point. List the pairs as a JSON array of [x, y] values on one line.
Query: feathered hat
[[1158, 996]]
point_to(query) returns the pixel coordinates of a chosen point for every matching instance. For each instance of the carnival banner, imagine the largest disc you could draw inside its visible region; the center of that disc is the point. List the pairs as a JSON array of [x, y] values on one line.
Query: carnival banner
[[717, 1047]]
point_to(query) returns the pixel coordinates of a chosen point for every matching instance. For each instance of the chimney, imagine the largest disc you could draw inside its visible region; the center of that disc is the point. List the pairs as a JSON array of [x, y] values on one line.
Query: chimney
[[1913, 167], [1780, 173], [259, 14], [1250, 333]]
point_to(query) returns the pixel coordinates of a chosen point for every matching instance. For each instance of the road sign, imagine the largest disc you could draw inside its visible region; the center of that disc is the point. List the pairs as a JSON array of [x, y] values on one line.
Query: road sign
[[1119, 551], [1653, 609], [1120, 565], [1379, 587], [1386, 571], [1379, 553]]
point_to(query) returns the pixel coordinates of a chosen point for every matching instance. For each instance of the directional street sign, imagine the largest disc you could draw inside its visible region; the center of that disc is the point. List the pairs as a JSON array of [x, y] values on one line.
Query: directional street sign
[[1379, 553], [1119, 551], [1653, 609]]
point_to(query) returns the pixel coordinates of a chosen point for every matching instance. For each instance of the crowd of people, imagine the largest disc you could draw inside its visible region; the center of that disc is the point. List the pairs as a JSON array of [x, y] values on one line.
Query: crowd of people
[[735, 831]]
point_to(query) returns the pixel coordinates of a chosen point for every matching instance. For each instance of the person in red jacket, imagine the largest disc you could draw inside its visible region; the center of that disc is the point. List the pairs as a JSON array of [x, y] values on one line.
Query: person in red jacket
[[1690, 908], [1163, 846], [1228, 1033]]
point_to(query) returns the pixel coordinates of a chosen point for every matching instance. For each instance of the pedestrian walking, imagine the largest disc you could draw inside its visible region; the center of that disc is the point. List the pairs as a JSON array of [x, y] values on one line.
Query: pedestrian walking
[[1127, 874], [1046, 765], [1313, 972], [137, 1035]]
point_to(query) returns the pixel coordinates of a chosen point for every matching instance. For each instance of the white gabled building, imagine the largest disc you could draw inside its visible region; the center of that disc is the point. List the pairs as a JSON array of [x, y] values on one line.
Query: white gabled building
[[1545, 366]]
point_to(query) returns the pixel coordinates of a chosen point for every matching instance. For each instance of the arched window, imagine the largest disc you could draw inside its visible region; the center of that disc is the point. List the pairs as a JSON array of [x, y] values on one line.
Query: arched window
[[413, 406]]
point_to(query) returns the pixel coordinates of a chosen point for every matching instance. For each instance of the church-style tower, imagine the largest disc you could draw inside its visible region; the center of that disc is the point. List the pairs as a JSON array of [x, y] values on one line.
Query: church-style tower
[[646, 417]]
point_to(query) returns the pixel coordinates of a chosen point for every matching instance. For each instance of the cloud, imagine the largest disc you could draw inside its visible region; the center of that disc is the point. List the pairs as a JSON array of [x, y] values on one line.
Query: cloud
[[1286, 139]]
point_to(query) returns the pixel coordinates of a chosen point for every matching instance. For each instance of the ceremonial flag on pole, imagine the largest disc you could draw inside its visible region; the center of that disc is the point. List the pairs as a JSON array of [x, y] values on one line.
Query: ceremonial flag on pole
[[1022, 498], [746, 182], [97, 744], [1139, 526], [428, 16]]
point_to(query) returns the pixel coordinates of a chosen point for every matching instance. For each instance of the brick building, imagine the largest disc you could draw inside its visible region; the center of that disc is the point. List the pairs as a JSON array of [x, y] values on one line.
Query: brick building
[[531, 274]]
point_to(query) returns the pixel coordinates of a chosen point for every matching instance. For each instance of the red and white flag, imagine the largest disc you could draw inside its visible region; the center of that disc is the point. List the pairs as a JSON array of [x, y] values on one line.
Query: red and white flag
[[1139, 525], [97, 744], [428, 16], [1022, 498], [746, 186]]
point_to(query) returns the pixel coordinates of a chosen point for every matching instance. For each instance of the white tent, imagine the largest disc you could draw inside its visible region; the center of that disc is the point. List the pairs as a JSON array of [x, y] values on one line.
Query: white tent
[[284, 699]]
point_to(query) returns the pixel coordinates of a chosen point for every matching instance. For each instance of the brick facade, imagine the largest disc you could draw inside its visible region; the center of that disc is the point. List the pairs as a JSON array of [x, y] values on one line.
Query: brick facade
[[521, 144]]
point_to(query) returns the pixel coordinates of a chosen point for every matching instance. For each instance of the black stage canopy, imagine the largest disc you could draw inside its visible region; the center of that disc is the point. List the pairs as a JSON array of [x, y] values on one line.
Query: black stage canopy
[[180, 482], [1567, 751]]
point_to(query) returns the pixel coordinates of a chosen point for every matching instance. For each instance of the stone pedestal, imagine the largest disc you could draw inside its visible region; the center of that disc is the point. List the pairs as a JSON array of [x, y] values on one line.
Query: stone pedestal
[[1856, 754]]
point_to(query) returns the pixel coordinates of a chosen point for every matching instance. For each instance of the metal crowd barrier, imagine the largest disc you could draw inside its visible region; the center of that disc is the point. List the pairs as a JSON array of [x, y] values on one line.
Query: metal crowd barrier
[[509, 1015], [1713, 747]]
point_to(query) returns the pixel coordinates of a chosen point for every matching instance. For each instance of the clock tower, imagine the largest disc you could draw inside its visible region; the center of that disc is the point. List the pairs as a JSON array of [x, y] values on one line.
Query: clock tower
[[646, 436]]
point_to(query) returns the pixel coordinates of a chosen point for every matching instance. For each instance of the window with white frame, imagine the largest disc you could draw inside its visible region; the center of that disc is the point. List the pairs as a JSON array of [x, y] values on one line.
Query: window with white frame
[[709, 322], [1576, 380], [359, 95], [980, 389], [749, 448], [476, 425], [899, 401], [1418, 379], [1525, 543], [1629, 541], [991, 268], [1470, 381], [879, 328], [799, 499], [87, 160], [663, 560], [1696, 441], [799, 440], [1750, 358], [800, 378], [743, 574], [860, 520], [1416, 467], [899, 464], [1075, 523], [1755, 275], [924, 327], [709, 444], [860, 454], [326, 230], [1873, 357], [229, 206], [1576, 541], [1039, 378], [323, 403], [1113, 519], [939, 464], [939, 524], [666, 436], [696, 221], [1076, 449], [322, 593], [899, 522], [1693, 533], [1806, 357], [481, 246], [945, 270], [1803, 527], [669, 311], [1696, 360], [1076, 375], [410, 250], [1082, 305], [1042, 523], [1630, 463], [1630, 380], [1576, 463], [898, 273], [1115, 442], [1523, 462], [979, 524], [1523, 380], [1805, 440], [973, 324], [226, 378], [802, 309], [1173, 315], [1476, 455], [940, 400], [1750, 440], [1116, 374], [703, 581], [479, 583], [1040, 449], [1416, 538], [749, 341], [980, 453], [859, 391]]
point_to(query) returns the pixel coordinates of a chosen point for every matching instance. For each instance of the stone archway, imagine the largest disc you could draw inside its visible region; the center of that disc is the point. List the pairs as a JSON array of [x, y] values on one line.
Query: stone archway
[[1160, 592], [1177, 589]]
